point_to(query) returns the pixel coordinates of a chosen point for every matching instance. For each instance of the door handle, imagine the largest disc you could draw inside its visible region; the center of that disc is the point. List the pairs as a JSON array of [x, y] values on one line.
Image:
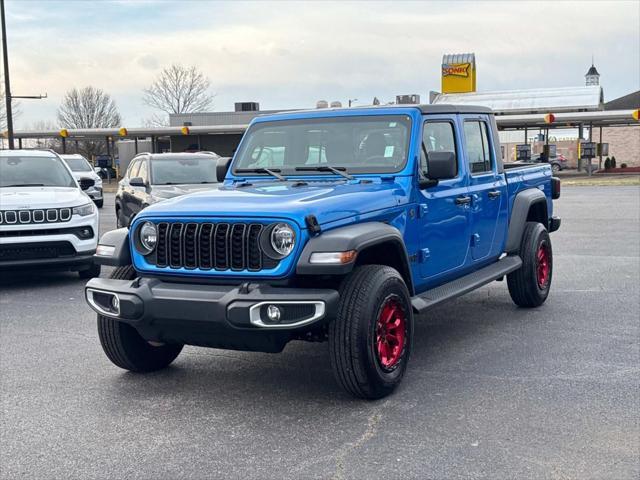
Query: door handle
[[494, 193], [463, 200]]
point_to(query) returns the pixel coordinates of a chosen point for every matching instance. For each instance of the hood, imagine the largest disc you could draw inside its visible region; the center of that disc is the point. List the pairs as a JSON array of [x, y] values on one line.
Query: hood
[[91, 175], [26, 198], [329, 201], [170, 191]]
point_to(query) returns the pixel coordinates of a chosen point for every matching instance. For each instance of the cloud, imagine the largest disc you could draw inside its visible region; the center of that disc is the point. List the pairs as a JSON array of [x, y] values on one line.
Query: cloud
[[291, 54]]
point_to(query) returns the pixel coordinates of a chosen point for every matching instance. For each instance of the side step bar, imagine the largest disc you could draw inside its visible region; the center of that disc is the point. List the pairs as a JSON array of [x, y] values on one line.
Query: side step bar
[[466, 284]]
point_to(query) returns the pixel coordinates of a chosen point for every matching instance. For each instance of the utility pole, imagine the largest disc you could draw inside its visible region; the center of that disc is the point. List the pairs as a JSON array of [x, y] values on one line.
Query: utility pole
[[7, 83]]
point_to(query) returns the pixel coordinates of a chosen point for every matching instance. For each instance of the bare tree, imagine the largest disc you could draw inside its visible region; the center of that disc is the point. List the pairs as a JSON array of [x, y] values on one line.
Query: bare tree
[[155, 120], [179, 89], [15, 107], [88, 107]]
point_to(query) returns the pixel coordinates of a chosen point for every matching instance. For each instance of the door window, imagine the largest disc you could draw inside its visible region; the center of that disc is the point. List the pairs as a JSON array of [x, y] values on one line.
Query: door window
[[142, 173], [437, 137], [477, 144], [133, 169]]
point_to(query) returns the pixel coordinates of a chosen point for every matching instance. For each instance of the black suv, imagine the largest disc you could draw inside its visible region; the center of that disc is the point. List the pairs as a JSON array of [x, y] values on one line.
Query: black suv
[[153, 177]]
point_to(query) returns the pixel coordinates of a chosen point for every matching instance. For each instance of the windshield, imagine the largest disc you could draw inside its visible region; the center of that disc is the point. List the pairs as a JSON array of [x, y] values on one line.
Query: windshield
[[359, 144], [34, 171], [78, 164], [182, 170]]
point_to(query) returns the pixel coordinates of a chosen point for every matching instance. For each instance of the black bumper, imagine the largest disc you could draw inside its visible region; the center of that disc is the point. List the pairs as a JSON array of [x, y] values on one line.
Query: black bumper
[[219, 316], [79, 261]]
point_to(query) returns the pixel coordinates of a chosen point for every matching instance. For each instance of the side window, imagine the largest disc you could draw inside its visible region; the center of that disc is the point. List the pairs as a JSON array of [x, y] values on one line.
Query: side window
[[133, 168], [477, 144], [437, 137], [142, 173]]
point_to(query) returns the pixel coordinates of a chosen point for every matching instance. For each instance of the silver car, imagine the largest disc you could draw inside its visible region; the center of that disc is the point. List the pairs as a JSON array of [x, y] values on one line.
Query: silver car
[[87, 178]]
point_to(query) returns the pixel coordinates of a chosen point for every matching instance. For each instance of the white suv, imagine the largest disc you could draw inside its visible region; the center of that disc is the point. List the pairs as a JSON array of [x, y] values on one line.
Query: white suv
[[46, 220]]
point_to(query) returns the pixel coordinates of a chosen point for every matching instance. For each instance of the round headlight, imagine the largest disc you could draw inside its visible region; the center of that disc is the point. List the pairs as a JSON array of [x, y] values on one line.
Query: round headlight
[[283, 239], [148, 236]]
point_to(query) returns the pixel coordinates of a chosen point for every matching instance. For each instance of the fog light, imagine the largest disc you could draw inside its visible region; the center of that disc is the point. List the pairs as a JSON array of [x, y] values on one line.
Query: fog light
[[273, 313], [115, 304]]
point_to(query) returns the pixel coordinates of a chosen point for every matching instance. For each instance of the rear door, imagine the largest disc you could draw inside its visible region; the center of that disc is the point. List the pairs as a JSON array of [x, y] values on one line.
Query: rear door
[[487, 187], [443, 209]]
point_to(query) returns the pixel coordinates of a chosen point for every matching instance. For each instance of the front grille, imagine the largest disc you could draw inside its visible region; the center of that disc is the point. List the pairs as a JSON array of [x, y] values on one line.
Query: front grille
[[41, 215], [86, 183], [36, 251], [211, 246]]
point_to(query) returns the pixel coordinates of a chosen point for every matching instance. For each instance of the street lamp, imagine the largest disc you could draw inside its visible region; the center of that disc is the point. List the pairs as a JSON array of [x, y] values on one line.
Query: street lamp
[[351, 100], [7, 84]]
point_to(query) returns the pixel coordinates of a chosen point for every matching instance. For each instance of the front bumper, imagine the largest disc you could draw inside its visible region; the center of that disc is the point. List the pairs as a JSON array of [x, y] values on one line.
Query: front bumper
[[219, 316]]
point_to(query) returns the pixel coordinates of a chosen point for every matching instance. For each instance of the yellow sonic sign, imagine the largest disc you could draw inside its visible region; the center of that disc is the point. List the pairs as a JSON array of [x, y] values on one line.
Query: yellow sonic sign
[[461, 70], [459, 73]]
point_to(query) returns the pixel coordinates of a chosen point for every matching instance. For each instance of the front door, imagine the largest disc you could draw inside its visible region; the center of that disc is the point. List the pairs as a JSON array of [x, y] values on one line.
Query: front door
[[444, 209], [487, 188]]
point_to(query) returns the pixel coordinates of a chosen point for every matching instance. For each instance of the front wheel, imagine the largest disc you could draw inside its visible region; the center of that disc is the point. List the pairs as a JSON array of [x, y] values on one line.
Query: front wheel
[[124, 346], [529, 285], [370, 339]]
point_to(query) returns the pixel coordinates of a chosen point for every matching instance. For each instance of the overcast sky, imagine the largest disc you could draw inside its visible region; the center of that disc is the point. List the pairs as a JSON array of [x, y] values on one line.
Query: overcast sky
[[289, 55]]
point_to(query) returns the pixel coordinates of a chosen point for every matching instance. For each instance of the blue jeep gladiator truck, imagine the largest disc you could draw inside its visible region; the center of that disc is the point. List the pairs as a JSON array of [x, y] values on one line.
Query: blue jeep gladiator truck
[[330, 225]]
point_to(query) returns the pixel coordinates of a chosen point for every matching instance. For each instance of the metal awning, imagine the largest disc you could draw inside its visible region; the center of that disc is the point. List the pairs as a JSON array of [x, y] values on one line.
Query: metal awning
[[536, 100], [569, 120]]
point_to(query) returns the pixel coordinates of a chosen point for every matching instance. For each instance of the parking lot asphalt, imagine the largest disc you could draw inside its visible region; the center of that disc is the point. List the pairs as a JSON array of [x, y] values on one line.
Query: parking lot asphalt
[[492, 391]]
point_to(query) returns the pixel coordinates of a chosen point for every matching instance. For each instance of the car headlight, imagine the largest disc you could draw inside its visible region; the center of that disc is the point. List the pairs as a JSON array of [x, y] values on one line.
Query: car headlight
[[283, 239], [148, 236], [98, 182], [84, 210]]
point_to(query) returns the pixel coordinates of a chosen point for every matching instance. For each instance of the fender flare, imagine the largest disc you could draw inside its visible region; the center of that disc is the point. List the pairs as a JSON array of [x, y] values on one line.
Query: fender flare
[[352, 237], [521, 205], [119, 240]]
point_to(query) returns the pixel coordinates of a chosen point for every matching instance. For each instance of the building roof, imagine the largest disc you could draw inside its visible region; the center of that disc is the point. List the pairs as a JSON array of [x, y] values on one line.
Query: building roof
[[629, 101], [535, 100], [592, 71]]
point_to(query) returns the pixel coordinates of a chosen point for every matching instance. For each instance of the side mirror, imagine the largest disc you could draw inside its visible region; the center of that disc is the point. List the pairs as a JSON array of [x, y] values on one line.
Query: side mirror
[[441, 165], [223, 167], [137, 182]]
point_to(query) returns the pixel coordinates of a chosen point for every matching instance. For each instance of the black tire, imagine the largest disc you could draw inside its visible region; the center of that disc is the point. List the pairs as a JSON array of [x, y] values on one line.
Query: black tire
[[99, 203], [124, 346], [120, 223], [527, 286], [555, 168], [91, 272], [355, 359]]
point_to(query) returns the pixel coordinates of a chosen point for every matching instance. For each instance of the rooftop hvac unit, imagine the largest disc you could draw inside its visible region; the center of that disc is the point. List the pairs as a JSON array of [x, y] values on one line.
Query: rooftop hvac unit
[[247, 106], [322, 104], [408, 99], [336, 104]]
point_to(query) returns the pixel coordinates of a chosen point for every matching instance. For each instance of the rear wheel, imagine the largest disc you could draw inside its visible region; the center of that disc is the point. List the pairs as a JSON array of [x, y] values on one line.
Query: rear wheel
[[555, 168], [529, 285], [370, 339], [124, 346]]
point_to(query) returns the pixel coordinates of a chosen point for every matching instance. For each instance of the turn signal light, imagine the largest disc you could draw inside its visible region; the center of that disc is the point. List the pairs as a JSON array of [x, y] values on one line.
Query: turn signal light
[[334, 258]]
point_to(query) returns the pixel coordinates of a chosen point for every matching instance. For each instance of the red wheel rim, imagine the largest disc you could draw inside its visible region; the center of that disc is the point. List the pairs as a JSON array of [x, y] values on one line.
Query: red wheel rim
[[543, 270], [390, 333]]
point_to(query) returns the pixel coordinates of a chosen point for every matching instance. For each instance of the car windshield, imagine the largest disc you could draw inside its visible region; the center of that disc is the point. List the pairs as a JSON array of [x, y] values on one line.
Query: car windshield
[[183, 170], [78, 164], [355, 144], [27, 171]]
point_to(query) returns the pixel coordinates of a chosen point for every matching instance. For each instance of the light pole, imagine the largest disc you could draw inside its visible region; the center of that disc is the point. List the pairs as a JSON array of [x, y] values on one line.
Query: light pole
[[351, 100], [7, 83]]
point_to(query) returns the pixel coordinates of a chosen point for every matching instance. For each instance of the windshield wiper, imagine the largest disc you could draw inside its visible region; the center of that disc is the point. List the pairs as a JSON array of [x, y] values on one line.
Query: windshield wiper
[[326, 168], [273, 172], [25, 185]]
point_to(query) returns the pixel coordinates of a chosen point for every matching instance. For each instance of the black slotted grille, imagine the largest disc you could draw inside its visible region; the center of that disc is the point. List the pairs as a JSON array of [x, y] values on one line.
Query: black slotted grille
[[211, 246]]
